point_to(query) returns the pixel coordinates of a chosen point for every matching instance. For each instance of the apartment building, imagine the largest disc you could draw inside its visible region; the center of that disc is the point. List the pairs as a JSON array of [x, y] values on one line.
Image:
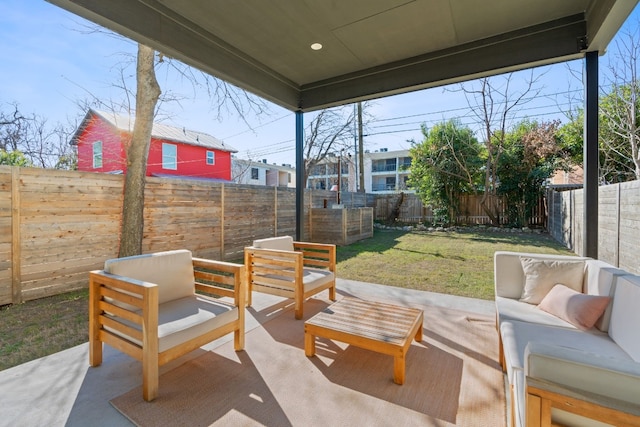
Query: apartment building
[[262, 173], [326, 174], [384, 172]]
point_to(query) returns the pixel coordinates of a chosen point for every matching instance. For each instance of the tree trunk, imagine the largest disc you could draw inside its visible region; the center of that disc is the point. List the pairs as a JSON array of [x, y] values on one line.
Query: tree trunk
[[147, 94], [489, 178]]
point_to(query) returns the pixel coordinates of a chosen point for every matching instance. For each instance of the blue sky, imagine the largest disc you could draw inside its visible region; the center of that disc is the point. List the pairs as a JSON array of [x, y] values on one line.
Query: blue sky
[[49, 63]]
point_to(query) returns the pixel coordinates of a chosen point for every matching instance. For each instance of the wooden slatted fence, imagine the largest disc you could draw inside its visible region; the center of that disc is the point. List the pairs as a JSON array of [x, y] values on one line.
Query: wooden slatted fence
[[58, 225]]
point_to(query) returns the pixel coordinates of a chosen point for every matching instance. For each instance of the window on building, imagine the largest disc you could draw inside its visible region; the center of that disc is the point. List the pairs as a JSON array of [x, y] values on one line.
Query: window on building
[[405, 163], [169, 156], [254, 173], [211, 158], [390, 183], [332, 169], [289, 178], [385, 165], [318, 170], [390, 165], [97, 154]]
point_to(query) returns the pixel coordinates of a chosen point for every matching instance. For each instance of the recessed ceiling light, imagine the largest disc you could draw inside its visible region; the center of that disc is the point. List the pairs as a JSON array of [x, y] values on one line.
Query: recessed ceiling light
[[316, 46]]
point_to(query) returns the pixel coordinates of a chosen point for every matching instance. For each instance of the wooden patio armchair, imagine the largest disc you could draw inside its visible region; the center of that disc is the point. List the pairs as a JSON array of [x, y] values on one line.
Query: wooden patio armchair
[[297, 270], [147, 307]]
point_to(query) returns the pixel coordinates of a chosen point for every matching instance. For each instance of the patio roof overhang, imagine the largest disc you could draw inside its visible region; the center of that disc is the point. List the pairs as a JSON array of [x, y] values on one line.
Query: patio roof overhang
[[372, 48]]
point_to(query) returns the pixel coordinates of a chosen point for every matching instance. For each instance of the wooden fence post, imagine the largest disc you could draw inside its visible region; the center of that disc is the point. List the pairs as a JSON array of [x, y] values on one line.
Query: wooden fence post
[[616, 256], [16, 238], [310, 218], [222, 251]]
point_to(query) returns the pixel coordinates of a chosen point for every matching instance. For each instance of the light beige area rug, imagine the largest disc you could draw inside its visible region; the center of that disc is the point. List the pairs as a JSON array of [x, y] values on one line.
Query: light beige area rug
[[452, 378]]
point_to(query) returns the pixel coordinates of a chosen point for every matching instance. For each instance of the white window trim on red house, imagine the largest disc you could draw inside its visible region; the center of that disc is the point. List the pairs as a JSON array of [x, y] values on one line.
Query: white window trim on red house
[[97, 154], [211, 157], [169, 156]]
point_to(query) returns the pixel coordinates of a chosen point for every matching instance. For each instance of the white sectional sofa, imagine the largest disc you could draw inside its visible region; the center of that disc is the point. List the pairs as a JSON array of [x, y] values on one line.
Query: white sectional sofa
[[560, 369]]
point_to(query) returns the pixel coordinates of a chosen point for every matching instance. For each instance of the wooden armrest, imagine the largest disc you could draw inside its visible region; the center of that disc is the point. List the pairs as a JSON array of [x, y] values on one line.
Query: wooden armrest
[[126, 283], [127, 298], [220, 278], [273, 254], [121, 295], [543, 395], [321, 255], [311, 245], [229, 267]]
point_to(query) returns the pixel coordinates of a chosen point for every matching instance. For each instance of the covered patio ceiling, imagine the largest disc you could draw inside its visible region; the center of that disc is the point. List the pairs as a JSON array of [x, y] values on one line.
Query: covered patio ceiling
[[370, 48]]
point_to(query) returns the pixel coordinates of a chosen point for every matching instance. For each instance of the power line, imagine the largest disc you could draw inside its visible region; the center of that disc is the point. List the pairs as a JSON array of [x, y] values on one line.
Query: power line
[[467, 113]]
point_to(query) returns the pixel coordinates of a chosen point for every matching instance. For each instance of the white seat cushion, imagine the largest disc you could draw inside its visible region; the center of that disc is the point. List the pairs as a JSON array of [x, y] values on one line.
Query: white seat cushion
[[512, 309], [312, 278], [186, 318], [516, 335]]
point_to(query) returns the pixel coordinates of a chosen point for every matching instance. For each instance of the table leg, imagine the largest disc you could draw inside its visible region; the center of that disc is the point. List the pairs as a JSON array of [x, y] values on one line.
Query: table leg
[[419, 333], [309, 344], [398, 369]]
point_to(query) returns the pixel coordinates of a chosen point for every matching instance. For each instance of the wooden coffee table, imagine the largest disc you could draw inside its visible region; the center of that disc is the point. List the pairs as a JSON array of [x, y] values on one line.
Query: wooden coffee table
[[384, 328]]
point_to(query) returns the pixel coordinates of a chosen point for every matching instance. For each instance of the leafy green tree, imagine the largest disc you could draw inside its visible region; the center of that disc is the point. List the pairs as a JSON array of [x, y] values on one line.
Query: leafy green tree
[[570, 137], [13, 158], [495, 101], [532, 153], [445, 165]]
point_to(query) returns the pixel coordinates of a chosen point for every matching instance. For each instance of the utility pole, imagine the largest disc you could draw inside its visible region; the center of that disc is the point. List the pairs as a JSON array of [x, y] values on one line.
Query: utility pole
[[355, 150], [361, 150]]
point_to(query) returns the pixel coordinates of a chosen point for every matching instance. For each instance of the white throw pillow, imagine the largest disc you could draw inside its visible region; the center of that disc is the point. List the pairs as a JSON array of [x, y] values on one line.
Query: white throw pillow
[[541, 275]]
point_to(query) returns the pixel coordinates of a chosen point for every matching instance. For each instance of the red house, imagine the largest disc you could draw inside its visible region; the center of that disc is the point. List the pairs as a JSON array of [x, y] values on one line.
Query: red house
[[102, 137]]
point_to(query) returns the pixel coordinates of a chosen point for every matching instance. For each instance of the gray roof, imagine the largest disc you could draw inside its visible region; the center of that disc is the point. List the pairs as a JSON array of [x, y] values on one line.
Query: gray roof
[[251, 163], [166, 132]]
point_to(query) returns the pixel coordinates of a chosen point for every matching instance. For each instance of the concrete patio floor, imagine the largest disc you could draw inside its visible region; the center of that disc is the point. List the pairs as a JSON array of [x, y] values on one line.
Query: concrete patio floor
[[62, 390]]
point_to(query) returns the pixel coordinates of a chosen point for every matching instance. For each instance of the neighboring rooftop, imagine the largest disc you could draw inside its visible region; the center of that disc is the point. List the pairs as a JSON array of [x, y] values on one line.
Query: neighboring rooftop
[[263, 163], [167, 132]]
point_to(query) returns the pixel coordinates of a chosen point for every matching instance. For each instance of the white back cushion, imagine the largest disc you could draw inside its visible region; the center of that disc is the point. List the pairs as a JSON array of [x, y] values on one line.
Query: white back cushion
[[600, 280], [283, 243], [541, 275], [172, 271], [624, 327], [509, 276]]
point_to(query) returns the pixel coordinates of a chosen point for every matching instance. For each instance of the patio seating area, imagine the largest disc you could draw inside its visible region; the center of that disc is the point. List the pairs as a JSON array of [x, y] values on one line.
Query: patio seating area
[[62, 389]]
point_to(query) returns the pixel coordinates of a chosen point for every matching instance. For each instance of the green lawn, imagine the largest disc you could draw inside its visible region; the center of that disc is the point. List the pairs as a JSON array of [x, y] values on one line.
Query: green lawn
[[458, 263]]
